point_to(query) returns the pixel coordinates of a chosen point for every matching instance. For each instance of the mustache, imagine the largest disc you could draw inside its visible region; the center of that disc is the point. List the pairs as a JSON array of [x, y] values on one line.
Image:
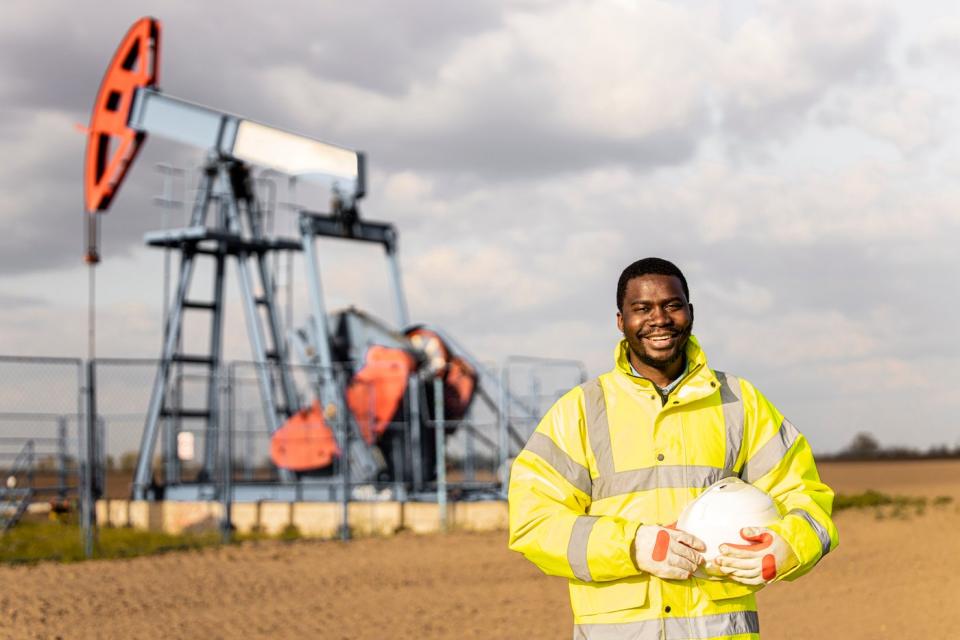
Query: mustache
[[665, 332]]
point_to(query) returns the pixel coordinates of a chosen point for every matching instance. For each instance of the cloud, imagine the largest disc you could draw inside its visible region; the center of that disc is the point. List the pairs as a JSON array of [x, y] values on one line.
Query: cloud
[[912, 118], [785, 59], [19, 302], [460, 96], [939, 46], [531, 98]]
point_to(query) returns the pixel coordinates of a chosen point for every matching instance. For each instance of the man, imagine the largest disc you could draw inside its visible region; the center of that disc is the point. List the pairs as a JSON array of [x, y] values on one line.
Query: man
[[615, 460]]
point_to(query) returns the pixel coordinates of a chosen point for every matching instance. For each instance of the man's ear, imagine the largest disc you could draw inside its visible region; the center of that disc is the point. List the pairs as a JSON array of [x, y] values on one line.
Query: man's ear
[[620, 322], [690, 304]]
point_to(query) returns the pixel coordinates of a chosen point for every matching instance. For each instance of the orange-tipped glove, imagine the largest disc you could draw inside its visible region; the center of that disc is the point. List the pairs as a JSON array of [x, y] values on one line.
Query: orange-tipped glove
[[767, 556], [667, 553]]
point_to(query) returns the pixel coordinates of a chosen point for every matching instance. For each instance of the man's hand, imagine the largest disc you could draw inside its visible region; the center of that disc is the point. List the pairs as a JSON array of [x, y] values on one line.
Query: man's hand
[[667, 553], [764, 559]]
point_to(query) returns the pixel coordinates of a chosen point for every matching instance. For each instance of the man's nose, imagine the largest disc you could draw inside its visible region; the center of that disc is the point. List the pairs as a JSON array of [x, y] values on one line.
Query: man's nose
[[659, 316]]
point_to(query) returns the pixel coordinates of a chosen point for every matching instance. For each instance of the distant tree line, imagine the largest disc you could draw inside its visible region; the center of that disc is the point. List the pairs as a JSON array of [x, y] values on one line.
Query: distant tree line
[[865, 446]]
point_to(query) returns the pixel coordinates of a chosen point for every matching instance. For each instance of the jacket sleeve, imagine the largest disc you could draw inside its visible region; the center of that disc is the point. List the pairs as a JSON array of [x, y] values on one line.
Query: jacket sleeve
[[549, 501], [777, 458]]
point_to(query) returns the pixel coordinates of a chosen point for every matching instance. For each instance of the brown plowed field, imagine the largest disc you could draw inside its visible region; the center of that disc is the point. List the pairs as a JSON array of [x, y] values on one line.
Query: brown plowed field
[[893, 577]]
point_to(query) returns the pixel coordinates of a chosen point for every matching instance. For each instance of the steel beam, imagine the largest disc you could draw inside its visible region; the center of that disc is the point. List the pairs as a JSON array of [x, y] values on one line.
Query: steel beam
[[231, 136]]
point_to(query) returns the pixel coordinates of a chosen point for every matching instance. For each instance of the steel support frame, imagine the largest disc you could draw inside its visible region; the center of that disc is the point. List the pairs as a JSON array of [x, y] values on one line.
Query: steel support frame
[[230, 222], [346, 226]]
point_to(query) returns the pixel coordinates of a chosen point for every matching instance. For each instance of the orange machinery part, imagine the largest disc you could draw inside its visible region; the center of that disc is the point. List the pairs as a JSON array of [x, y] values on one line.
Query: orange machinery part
[[374, 395], [304, 442], [459, 378], [459, 383], [111, 144], [376, 391]]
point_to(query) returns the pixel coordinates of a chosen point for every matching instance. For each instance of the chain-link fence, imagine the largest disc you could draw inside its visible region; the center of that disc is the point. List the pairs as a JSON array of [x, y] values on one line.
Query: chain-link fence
[[41, 435], [251, 432]]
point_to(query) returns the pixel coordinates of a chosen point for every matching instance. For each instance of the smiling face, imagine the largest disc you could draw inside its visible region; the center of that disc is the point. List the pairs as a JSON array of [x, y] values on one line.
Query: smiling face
[[656, 321]]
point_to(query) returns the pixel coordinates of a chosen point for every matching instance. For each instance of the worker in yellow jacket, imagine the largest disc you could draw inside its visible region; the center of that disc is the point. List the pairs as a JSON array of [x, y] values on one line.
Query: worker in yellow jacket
[[595, 492]]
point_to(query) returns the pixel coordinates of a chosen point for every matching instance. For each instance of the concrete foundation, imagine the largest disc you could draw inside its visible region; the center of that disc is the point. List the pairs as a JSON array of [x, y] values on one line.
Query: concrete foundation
[[312, 519]]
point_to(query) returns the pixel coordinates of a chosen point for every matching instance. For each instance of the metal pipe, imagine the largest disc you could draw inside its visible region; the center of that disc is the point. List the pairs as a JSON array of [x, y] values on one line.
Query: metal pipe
[[403, 313], [315, 290], [227, 522], [213, 382]]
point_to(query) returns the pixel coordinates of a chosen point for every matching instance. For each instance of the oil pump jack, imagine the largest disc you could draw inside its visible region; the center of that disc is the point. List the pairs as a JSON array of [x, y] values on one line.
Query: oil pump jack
[[366, 376]]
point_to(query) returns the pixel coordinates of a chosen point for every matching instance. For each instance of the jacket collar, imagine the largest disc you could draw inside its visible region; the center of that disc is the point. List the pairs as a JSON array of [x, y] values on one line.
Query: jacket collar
[[698, 382]]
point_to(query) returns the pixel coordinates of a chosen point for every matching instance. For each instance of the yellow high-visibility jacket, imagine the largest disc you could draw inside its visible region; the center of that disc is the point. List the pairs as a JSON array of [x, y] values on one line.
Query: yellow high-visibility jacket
[[610, 456]]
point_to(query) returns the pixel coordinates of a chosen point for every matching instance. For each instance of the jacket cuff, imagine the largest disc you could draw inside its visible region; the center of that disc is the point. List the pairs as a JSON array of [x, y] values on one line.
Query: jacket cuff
[[802, 532], [610, 549]]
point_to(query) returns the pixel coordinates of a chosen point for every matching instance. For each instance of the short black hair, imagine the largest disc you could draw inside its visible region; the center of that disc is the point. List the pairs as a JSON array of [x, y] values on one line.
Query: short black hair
[[647, 266]]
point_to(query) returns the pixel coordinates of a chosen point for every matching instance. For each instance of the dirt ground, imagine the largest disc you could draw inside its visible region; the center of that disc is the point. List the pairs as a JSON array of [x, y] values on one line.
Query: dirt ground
[[891, 577]]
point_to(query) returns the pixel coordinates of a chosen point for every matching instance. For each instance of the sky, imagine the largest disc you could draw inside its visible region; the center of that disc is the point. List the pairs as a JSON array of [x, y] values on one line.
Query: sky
[[798, 161]]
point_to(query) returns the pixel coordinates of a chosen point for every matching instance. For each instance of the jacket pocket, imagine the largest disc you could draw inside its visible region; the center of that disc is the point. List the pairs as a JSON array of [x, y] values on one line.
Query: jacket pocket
[[588, 598], [725, 589]]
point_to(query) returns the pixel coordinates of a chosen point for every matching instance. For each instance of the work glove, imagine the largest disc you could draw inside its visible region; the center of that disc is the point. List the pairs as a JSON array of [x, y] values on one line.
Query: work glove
[[667, 553], [767, 556]]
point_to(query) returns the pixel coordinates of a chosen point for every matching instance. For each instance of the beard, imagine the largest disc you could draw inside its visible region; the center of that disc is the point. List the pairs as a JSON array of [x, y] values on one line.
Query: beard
[[658, 361]]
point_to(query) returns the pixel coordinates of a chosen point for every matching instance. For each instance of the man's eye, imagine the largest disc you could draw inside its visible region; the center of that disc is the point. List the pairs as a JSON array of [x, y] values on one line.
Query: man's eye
[[642, 309], [674, 306]]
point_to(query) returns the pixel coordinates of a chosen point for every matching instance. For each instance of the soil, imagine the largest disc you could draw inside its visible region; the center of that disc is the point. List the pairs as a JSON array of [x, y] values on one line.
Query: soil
[[891, 577]]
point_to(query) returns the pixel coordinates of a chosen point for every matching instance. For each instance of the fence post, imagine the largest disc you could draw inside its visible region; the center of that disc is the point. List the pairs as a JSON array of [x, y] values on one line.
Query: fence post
[[503, 419], [338, 378], [88, 516], [31, 462], [62, 457], [100, 461], [438, 429], [416, 434], [470, 453]]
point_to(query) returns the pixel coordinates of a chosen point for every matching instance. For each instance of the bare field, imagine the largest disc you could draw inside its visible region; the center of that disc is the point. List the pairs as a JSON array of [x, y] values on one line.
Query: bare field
[[891, 577]]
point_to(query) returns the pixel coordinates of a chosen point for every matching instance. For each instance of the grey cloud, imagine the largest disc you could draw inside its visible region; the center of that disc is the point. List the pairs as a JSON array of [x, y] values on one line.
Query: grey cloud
[[18, 302], [516, 150], [210, 51], [940, 46], [43, 213], [822, 46]]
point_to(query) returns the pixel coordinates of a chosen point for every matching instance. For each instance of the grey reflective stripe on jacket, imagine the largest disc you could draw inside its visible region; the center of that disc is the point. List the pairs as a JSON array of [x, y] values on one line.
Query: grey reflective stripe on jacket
[[770, 454], [694, 628], [667, 476], [577, 547], [598, 428], [613, 483], [571, 470], [731, 400], [822, 534]]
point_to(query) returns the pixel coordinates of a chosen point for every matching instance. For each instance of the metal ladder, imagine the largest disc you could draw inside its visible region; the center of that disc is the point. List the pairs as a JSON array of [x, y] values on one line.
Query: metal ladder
[[238, 232]]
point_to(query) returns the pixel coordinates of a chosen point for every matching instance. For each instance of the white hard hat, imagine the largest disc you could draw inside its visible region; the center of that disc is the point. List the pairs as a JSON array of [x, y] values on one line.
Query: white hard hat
[[719, 513]]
